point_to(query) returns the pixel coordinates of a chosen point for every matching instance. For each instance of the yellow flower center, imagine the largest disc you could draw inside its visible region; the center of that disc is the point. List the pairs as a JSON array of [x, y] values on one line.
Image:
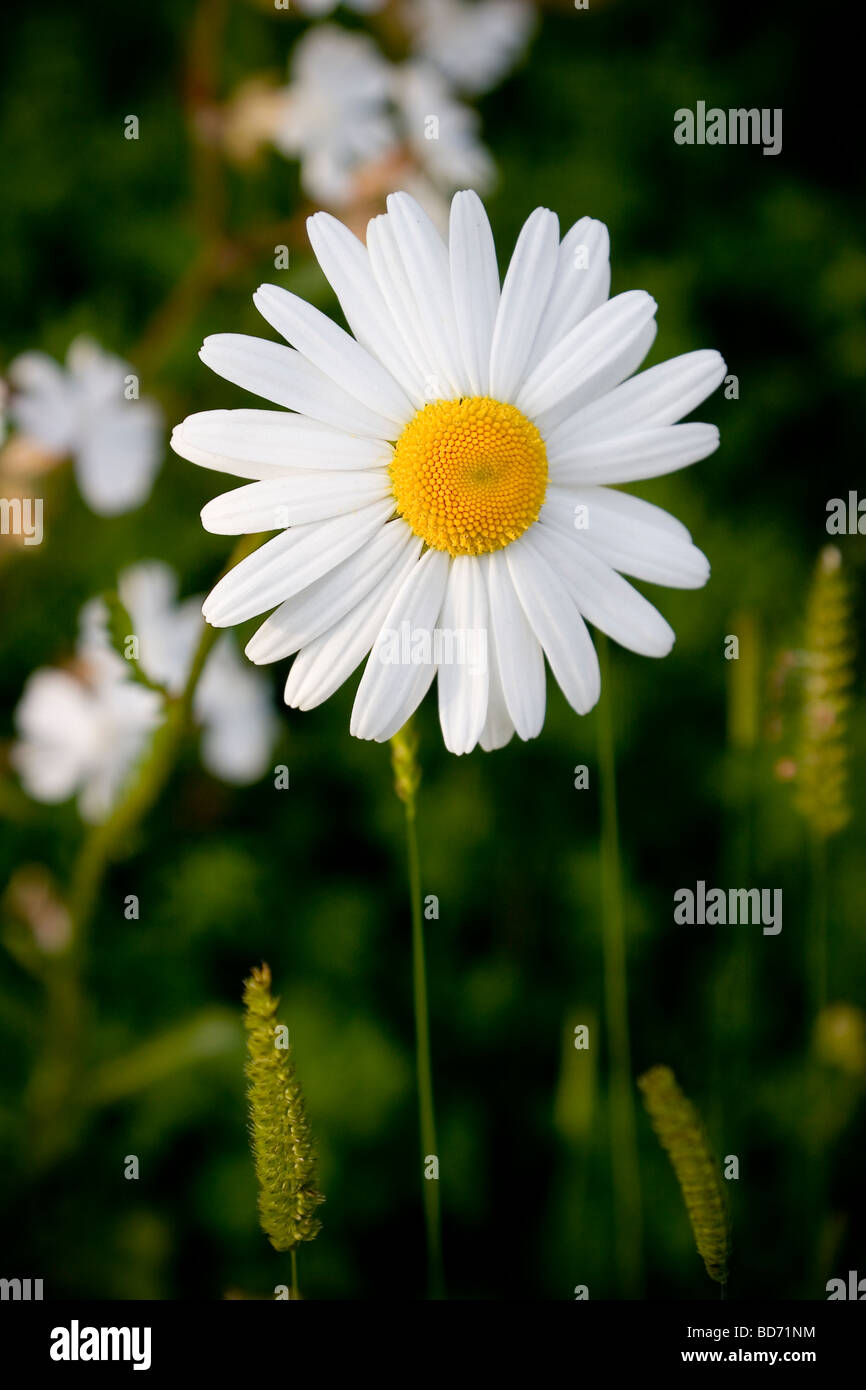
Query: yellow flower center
[[469, 475]]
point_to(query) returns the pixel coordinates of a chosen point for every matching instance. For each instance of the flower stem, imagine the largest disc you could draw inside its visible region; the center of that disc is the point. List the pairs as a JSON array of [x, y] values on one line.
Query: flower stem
[[819, 893], [623, 1128], [407, 776], [296, 1292]]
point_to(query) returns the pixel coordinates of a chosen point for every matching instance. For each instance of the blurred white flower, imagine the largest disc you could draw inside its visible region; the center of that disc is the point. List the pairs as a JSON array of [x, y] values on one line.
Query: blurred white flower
[[317, 8], [473, 43], [81, 731], [442, 133], [232, 703], [83, 410], [335, 115], [239, 723], [348, 112]]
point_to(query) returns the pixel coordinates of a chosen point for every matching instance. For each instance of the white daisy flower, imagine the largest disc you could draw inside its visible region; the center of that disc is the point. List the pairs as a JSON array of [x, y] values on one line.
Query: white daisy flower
[[441, 481], [232, 703], [473, 43], [335, 116], [81, 731], [84, 411]]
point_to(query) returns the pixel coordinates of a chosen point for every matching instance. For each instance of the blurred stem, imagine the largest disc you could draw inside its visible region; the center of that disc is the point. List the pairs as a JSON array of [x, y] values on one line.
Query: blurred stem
[[407, 777], [623, 1129], [732, 982], [202, 96], [820, 913], [296, 1293], [815, 1176], [221, 251]]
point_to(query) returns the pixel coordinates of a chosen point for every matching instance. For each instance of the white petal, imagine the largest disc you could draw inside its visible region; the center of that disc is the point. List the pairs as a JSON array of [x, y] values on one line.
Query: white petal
[[464, 682], [333, 351], [347, 266], [659, 396], [55, 720], [604, 598], [581, 282], [118, 456], [391, 692], [44, 404], [524, 294], [281, 375], [233, 704], [608, 509], [556, 622], [425, 258], [288, 563], [318, 607], [393, 283], [324, 664], [630, 457], [271, 443], [237, 749], [498, 727], [636, 538], [293, 501], [519, 655], [591, 359], [475, 286]]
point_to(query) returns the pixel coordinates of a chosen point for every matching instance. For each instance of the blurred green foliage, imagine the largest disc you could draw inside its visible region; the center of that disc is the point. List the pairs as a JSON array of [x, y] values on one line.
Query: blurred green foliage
[[760, 257]]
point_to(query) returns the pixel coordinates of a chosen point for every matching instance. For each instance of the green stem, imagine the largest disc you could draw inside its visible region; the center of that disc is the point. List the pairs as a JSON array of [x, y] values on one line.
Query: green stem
[[815, 1182], [819, 886], [296, 1292], [407, 777], [623, 1127]]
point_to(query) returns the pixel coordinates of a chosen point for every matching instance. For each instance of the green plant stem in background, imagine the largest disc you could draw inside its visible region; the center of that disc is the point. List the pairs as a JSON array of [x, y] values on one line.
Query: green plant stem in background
[[407, 777], [732, 982], [623, 1126], [820, 914], [296, 1292]]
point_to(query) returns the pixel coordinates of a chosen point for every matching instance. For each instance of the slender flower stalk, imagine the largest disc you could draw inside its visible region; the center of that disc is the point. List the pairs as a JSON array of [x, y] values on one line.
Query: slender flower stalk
[[623, 1127], [285, 1157], [407, 778], [681, 1134], [733, 978]]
